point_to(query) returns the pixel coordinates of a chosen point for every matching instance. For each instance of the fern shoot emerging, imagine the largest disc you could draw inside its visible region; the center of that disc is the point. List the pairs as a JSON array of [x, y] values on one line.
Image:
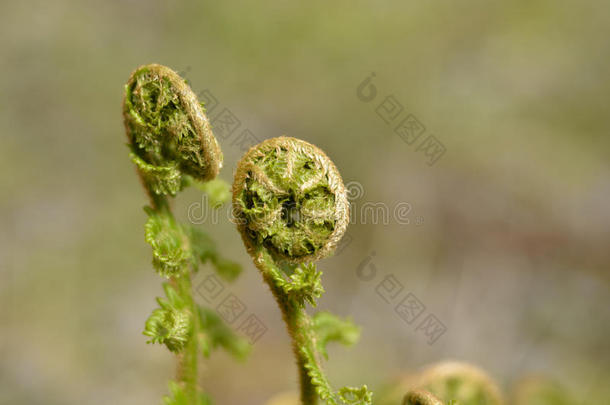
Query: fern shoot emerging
[[421, 397], [172, 146], [291, 209], [461, 383], [169, 135]]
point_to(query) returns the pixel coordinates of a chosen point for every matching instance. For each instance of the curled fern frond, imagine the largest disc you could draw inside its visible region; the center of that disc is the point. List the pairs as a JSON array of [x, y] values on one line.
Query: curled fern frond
[[288, 196], [464, 383], [171, 324], [177, 246], [160, 179], [169, 327], [305, 284], [169, 135], [421, 397], [356, 396], [291, 209], [170, 245]]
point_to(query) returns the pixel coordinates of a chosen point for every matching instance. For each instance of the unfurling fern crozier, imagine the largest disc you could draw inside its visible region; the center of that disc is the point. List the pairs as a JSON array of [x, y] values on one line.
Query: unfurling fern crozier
[[172, 146], [291, 208]]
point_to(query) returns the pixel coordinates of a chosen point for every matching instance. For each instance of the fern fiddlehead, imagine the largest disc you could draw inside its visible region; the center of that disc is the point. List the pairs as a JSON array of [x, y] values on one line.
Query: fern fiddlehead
[[421, 397], [462, 383], [172, 146], [291, 208], [169, 135]]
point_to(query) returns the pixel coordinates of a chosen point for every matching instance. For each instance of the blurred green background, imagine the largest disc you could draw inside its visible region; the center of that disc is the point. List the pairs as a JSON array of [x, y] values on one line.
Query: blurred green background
[[507, 242]]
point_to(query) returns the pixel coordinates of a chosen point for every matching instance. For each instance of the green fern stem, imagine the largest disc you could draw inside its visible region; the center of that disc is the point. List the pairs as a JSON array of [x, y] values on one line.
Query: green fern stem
[[187, 373], [298, 324], [188, 359]]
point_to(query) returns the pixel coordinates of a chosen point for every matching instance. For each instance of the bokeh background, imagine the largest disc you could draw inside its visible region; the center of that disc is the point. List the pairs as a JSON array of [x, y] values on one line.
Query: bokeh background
[[507, 242]]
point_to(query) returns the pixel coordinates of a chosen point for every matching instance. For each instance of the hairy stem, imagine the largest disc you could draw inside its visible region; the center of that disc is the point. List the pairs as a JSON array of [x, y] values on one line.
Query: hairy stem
[[297, 318], [188, 364], [187, 372], [298, 323]]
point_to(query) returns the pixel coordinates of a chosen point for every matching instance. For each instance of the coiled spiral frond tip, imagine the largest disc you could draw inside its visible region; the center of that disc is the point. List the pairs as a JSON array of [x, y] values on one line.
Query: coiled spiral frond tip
[[167, 129], [421, 397], [463, 382], [288, 197]]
